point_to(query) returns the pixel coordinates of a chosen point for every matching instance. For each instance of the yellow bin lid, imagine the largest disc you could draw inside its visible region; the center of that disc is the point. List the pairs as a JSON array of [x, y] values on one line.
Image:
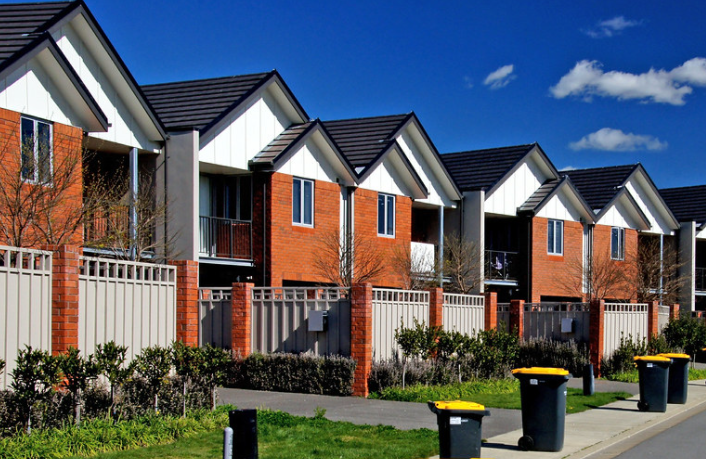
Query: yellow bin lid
[[459, 405], [540, 371], [651, 358], [674, 356]]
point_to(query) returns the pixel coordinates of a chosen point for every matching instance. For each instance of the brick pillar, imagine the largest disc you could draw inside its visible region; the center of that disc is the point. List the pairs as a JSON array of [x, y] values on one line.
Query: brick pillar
[[517, 317], [436, 307], [241, 301], [362, 336], [187, 307], [674, 311], [596, 328], [652, 319], [491, 310], [64, 324]]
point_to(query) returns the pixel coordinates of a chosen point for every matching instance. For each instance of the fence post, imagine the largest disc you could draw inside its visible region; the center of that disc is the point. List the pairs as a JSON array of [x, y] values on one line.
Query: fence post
[[436, 307], [674, 311], [362, 336], [517, 317], [596, 327], [652, 319], [187, 301], [66, 264], [491, 310], [241, 331]]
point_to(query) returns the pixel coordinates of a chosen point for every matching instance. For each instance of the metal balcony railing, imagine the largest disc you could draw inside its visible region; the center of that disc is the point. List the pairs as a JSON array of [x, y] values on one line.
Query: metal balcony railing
[[501, 265], [225, 238], [700, 278]]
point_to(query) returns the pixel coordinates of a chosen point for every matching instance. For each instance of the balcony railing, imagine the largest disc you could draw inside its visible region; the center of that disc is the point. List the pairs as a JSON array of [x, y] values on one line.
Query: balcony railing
[[107, 223], [700, 278], [500, 265], [225, 238]]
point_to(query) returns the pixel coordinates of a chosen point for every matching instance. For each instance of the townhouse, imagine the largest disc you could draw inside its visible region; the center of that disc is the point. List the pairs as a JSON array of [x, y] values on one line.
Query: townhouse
[[689, 207]]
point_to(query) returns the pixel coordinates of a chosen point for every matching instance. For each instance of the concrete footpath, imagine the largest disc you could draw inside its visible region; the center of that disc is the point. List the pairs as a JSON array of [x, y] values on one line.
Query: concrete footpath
[[588, 435]]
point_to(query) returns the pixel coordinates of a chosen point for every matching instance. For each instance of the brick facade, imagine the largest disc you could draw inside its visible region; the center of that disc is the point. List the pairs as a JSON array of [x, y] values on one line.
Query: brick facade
[[602, 255], [553, 275]]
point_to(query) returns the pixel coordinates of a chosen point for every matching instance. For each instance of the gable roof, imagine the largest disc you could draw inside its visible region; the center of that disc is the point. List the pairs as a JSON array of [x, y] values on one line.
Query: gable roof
[[482, 169], [25, 29], [201, 104], [551, 188], [599, 185], [687, 203]]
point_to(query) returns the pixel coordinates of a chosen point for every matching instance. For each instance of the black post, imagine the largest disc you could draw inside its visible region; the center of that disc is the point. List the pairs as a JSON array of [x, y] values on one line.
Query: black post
[[244, 425], [588, 382]]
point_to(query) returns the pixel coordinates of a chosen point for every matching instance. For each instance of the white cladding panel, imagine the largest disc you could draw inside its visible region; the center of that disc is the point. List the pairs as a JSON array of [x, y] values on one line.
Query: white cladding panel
[[124, 127], [515, 189], [385, 178], [649, 207], [244, 133], [425, 171], [701, 234], [30, 90], [560, 207], [618, 215], [309, 162]]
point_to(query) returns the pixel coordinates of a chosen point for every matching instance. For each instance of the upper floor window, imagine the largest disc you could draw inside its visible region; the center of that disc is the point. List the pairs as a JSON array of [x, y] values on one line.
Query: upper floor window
[[555, 237], [303, 202], [617, 243], [36, 150], [386, 215]]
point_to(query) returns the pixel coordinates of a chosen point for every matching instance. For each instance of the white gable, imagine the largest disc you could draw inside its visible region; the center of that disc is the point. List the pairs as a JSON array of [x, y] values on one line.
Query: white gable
[[309, 162], [560, 207], [431, 174], [701, 234], [516, 188], [244, 133], [619, 215], [649, 204], [387, 177], [107, 85]]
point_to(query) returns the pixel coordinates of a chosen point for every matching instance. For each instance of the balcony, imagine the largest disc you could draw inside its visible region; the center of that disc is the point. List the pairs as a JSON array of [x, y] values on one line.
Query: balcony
[[106, 225], [423, 258], [501, 266], [225, 238], [700, 279]]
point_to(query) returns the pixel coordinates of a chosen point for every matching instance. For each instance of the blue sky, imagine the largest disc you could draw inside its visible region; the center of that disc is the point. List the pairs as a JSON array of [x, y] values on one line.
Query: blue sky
[[595, 83]]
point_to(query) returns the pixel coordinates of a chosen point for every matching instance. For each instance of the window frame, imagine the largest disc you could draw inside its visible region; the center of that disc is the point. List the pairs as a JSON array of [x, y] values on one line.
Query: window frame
[[37, 172], [553, 239], [388, 211], [620, 241], [302, 202]]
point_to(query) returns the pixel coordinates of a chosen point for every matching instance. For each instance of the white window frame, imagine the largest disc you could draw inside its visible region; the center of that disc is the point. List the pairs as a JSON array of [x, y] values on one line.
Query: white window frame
[[620, 241], [388, 228], [35, 150], [555, 245], [301, 220]]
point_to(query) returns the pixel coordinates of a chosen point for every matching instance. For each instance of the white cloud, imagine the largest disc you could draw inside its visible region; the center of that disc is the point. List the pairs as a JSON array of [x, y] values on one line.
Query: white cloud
[[610, 27], [567, 168], [587, 79], [501, 77], [608, 139]]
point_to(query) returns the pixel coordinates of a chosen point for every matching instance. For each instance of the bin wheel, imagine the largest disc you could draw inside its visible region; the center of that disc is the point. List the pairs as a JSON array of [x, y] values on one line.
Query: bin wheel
[[525, 443], [642, 406]]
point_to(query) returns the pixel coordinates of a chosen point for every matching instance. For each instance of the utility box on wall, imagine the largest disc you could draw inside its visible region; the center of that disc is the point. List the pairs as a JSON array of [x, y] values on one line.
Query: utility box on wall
[[318, 321], [567, 325]]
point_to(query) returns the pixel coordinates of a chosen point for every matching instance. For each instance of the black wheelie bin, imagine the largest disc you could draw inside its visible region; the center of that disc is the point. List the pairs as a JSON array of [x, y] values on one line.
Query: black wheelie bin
[[459, 428], [678, 385], [543, 396], [654, 382]]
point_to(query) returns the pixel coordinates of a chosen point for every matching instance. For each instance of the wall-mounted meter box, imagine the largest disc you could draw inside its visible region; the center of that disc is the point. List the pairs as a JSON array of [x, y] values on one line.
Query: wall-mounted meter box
[[567, 325], [318, 321]]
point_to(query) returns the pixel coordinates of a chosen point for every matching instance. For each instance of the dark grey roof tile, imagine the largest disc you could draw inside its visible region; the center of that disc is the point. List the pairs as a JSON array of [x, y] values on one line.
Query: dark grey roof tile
[[686, 203], [599, 185], [481, 169]]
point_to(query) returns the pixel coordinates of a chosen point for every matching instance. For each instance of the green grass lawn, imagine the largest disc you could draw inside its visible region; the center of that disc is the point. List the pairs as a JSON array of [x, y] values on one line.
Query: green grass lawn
[[282, 436], [633, 377]]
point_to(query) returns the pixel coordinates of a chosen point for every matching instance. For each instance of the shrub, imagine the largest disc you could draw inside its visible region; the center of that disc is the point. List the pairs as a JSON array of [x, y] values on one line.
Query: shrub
[[78, 372], [622, 360], [110, 358], [33, 380], [542, 352], [686, 333], [153, 364]]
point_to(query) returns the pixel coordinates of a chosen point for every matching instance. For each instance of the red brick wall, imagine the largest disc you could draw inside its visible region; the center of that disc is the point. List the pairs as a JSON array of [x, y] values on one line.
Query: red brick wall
[[552, 275], [601, 254], [366, 221], [187, 307], [65, 272], [67, 148]]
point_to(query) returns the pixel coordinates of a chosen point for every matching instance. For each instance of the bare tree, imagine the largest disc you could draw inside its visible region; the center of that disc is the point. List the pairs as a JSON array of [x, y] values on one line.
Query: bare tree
[[599, 277], [658, 276], [414, 269], [462, 266], [345, 260]]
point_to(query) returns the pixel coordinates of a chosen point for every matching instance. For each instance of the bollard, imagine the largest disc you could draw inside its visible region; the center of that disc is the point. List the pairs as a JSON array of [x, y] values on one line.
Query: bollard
[[588, 381], [244, 425], [227, 443]]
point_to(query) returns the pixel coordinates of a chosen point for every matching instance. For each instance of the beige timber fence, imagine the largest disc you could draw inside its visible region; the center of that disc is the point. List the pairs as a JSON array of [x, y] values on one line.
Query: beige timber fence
[[215, 316], [557, 321], [624, 321], [463, 313], [393, 310]]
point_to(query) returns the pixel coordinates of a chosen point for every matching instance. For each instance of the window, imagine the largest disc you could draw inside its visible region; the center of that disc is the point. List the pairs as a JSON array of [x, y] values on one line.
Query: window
[[555, 237], [303, 202], [617, 243], [36, 150], [386, 215]]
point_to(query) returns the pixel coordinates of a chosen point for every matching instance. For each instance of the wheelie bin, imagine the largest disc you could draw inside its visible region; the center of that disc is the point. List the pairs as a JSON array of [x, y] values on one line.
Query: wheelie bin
[[459, 428], [654, 379], [543, 398], [678, 384]]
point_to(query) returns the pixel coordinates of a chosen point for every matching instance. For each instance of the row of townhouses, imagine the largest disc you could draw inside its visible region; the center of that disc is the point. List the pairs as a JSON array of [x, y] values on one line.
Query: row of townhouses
[[253, 184]]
